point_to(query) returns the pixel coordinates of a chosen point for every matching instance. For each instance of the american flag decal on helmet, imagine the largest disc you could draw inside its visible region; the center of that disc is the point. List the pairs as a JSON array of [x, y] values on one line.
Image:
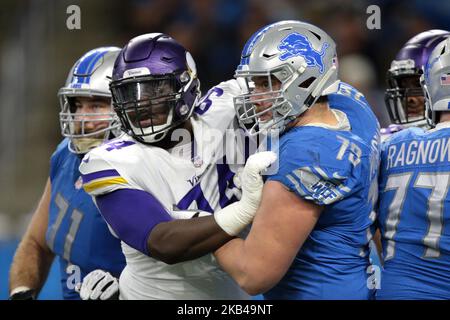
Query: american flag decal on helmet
[[445, 79]]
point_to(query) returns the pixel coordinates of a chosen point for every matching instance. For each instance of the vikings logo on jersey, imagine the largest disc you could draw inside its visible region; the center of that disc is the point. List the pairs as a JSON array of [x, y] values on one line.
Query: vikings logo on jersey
[[296, 44]]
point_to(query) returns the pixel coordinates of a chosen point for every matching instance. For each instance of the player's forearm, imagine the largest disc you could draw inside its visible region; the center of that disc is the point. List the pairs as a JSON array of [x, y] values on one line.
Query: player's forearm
[[181, 240], [250, 273], [230, 257], [139, 220], [33, 258], [189, 239], [30, 266]]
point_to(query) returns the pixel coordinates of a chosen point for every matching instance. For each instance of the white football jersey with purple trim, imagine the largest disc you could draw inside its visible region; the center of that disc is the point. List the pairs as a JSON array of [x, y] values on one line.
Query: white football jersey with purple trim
[[195, 175]]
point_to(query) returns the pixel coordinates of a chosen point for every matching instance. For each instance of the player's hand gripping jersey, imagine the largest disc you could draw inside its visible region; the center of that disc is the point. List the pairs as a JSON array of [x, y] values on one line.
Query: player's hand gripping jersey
[[193, 176]]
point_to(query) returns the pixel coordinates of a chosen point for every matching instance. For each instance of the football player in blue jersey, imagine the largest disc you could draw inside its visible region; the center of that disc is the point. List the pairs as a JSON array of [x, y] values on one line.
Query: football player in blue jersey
[[414, 216], [404, 97], [310, 234], [66, 222]]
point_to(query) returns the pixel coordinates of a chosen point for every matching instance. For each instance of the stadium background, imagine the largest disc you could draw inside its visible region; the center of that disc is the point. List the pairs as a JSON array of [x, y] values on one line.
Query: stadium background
[[37, 50]]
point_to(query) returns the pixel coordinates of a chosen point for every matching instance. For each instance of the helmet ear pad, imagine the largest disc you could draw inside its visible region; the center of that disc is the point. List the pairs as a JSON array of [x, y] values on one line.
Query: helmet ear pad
[[185, 105]]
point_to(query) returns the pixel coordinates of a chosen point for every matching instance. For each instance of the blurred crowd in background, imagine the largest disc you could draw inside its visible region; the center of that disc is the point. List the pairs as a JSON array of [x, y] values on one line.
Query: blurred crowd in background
[[37, 50]]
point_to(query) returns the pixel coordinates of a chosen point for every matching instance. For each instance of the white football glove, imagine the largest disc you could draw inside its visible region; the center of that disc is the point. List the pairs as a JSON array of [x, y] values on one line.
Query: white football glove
[[236, 216], [99, 285]]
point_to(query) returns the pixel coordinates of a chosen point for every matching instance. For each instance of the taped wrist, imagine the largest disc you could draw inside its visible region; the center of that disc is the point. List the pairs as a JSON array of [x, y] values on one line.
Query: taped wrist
[[233, 219]]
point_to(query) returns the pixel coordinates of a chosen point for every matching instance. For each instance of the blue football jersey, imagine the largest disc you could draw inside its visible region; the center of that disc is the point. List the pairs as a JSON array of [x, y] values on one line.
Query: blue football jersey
[[76, 232], [363, 121], [336, 169], [414, 215]]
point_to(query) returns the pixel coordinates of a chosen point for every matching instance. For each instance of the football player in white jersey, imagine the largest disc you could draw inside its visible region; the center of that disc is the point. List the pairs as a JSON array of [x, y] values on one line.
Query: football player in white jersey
[[171, 166]]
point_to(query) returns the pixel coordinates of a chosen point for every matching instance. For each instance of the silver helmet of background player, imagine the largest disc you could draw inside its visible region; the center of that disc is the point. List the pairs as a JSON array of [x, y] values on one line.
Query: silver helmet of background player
[[89, 77], [435, 82]]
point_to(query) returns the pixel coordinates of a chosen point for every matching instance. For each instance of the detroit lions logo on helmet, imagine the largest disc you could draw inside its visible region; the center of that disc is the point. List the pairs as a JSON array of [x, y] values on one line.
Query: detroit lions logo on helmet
[[296, 44]]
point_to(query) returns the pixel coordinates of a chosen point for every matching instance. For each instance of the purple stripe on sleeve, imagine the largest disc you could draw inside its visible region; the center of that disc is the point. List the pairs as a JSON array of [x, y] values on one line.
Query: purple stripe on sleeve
[[132, 214], [99, 174]]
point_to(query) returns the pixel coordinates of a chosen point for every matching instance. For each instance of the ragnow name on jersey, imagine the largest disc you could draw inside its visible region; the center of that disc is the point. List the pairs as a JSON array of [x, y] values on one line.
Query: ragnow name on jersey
[[414, 215]]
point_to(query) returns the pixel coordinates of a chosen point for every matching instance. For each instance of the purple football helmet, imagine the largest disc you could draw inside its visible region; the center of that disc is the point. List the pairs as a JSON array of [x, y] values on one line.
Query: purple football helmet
[[403, 79], [154, 86]]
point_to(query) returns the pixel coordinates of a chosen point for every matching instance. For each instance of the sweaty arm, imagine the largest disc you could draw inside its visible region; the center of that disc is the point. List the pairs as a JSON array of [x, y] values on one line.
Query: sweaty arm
[[33, 257], [140, 220], [280, 227]]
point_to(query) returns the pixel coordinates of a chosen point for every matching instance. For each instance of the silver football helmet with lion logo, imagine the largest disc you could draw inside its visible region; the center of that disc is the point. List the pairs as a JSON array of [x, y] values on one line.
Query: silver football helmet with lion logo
[[298, 55]]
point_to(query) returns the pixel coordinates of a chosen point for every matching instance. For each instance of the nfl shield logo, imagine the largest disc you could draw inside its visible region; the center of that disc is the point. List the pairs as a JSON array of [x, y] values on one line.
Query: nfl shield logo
[[198, 162]]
